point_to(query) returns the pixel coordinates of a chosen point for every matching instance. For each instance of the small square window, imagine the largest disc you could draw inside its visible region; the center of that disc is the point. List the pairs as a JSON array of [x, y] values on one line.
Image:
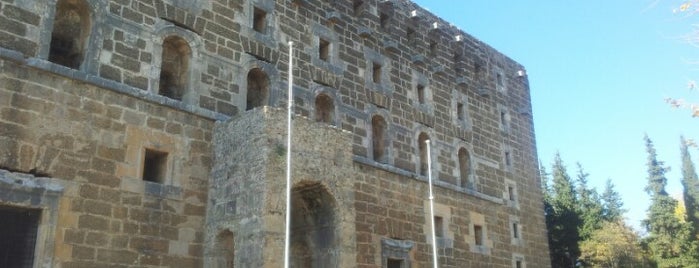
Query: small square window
[[515, 230], [421, 94], [154, 166], [323, 49], [438, 226], [478, 234], [460, 114], [376, 73], [259, 20], [394, 263]]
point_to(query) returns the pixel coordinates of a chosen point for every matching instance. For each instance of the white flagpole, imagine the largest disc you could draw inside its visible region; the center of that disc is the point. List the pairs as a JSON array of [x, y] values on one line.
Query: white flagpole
[[288, 159], [429, 176]]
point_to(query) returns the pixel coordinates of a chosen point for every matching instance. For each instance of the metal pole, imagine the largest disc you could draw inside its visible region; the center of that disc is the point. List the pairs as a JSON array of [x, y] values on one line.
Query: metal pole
[[429, 176], [288, 159]]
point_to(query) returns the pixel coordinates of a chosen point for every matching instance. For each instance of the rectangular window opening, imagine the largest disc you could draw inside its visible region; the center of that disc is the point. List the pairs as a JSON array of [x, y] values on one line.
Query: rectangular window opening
[[478, 234], [18, 234], [460, 111], [438, 226], [508, 159], [511, 192], [518, 264], [394, 263], [410, 34], [323, 49], [383, 20], [433, 48], [259, 20], [154, 166], [515, 230], [421, 94], [357, 6], [499, 79], [376, 73]]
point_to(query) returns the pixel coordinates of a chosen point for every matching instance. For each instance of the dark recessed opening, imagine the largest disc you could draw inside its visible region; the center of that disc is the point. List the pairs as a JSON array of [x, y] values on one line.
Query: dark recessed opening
[[478, 234], [383, 20], [323, 50], [508, 159], [325, 109], [154, 166], [393, 263], [515, 231], [410, 34], [259, 20], [376, 72], [357, 6], [18, 232], [421, 94], [460, 111], [511, 193], [438, 226], [518, 264], [433, 48]]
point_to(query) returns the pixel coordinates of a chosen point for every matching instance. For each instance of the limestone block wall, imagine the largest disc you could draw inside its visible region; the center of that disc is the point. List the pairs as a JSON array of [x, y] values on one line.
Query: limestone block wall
[[248, 193], [90, 143]]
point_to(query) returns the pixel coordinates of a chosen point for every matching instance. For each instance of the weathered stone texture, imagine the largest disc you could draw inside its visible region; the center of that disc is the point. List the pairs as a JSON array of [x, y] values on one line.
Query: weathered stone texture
[[75, 132]]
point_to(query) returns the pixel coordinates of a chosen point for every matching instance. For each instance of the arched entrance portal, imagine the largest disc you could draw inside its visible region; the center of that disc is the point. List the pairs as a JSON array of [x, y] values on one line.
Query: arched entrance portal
[[314, 238]]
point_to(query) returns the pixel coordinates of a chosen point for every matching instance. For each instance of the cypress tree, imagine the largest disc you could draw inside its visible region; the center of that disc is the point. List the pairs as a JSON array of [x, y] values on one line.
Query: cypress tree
[[662, 225], [690, 184]]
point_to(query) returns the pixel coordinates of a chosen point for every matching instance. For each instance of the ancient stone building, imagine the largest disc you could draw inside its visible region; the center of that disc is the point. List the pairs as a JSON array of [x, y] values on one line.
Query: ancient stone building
[[151, 133]]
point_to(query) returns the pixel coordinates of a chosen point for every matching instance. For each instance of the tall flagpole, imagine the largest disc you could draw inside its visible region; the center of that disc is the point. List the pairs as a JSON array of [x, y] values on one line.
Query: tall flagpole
[[288, 158], [429, 176]]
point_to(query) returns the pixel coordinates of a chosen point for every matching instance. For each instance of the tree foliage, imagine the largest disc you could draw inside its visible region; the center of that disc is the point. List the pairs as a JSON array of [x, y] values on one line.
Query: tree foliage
[[563, 219], [613, 245], [613, 207], [668, 238], [690, 184]]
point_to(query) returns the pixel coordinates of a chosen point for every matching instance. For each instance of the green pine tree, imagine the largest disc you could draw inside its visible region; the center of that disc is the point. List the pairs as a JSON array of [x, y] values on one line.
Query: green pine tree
[[589, 206], [690, 184], [665, 231], [613, 206], [562, 220]]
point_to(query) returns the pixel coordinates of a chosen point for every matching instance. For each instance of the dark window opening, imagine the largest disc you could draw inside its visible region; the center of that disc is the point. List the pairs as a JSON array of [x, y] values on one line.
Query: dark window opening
[[508, 159], [499, 79], [71, 28], [433, 48], [511, 193], [154, 166], [394, 263], [410, 34], [18, 233], [376, 71], [438, 226], [323, 50], [460, 111], [226, 249], [314, 233], [258, 89], [325, 109], [378, 132], [357, 6], [478, 234], [421, 94], [518, 264], [422, 148], [464, 165], [174, 69], [383, 20], [515, 231], [259, 20]]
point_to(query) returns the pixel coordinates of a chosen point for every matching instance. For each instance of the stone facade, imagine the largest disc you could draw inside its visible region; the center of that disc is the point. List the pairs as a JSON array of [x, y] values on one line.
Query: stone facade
[[148, 133]]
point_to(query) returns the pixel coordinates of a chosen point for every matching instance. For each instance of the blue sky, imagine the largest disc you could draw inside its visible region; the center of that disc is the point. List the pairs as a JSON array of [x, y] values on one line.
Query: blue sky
[[598, 73]]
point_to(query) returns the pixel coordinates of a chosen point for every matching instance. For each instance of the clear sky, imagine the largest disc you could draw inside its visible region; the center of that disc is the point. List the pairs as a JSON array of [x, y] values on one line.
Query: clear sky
[[598, 72]]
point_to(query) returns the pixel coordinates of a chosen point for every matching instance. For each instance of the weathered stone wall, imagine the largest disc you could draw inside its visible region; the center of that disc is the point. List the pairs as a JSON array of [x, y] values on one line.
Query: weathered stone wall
[[86, 127], [90, 142]]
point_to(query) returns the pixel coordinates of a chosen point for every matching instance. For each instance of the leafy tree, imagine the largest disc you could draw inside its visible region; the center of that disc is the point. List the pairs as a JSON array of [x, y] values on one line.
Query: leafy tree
[[613, 210], [613, 245], [690, 184], [665, 232], [562, 220], [589, 205]]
